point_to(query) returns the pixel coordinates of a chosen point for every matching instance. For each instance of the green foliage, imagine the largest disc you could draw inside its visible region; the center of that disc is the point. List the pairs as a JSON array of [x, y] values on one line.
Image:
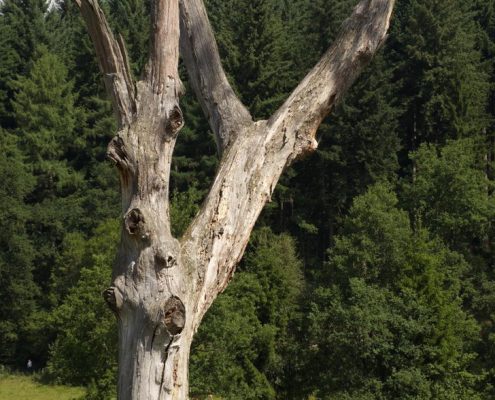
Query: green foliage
[[45, 115], [195, 157], [450, 193], [19, 19], [239, 350], [390, 323], [17, 297], [184, 207], [131, 19], [220, 14], [387, 304], [85, 348], [256, 48], [263, 47], [357, 147], [444, 82], [483, 307], [325, 22]]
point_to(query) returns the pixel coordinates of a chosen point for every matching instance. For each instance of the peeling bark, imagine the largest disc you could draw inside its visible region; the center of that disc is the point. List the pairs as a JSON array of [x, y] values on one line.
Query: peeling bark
[[163, 286]]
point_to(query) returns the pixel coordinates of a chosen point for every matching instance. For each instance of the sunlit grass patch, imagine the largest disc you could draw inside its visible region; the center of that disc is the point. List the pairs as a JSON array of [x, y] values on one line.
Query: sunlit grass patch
[[21, 387]]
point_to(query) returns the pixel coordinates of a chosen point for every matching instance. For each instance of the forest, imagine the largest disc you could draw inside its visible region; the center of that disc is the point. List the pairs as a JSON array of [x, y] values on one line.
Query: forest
[[371, 273]]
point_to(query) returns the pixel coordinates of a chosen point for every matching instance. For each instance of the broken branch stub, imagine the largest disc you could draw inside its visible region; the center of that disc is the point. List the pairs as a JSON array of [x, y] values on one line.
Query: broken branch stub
[[112, 60]]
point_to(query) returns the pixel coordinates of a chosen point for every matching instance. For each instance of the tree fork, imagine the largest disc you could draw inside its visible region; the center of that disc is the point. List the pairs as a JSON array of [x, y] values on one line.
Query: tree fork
[[163, 286]]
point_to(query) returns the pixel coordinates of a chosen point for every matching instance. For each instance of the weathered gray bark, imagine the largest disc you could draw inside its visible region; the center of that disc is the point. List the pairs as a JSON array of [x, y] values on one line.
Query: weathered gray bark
[[163, 286]]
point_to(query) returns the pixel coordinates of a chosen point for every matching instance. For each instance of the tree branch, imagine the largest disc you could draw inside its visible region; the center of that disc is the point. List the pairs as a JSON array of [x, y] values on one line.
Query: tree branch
[[225, 112], [164, 57], [360, 38], [252, 165], [112, 59]]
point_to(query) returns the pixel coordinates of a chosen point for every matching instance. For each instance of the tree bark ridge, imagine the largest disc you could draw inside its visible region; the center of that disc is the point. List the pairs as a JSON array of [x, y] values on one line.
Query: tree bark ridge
[[225, 112], [112, 59], [252, 165], [164, 56], [361, 35], [162, 287]]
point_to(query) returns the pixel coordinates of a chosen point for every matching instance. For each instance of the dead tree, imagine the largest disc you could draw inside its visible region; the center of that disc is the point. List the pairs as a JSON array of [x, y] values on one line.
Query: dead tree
[[162, 286]]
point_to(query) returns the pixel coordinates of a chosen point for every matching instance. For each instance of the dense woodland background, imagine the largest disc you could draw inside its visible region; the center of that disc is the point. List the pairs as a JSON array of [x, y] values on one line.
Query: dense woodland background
[[371, 273]]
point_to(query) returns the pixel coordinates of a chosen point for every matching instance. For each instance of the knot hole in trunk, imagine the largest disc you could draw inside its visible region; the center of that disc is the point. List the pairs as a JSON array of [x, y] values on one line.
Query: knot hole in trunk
[[135, 223], [175, 122], [164, 260], [116, 152], [174, 315], [113, 298]]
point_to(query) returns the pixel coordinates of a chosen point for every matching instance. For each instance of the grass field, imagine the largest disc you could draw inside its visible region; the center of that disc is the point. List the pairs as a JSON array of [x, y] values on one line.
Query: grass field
[[19, 387]]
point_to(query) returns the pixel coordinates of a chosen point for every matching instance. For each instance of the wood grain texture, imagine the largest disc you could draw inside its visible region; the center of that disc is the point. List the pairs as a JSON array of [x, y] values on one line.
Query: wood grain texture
[[225, 112], [162, 286], [112, 59]]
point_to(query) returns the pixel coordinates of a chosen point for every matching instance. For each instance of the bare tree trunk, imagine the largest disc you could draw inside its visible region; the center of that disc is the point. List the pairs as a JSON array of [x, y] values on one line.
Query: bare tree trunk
[[162, 286]]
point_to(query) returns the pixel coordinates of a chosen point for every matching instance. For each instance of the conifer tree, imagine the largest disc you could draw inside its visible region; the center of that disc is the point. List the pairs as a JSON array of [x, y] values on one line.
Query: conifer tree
[[266, 74], [225, 20], [444, 82], [324, 22], [388, 322], [357, 148], [45, 116], [485, 17], [18, 292], [131, 19], [22, 30], [94, 119]]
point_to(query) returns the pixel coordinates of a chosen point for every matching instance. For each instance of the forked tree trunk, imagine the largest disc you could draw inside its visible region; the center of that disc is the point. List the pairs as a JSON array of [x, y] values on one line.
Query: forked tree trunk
[[163, 286]]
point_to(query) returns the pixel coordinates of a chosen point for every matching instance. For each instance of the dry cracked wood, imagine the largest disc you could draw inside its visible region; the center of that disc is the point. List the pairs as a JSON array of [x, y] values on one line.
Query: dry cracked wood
[[162, 286]]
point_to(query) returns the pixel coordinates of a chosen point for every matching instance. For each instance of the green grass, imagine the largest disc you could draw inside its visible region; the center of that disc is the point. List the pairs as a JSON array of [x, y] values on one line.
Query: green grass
[[19, 387]]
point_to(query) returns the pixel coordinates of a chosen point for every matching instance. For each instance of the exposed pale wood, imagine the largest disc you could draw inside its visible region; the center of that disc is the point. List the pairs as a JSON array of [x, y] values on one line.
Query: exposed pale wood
[[112, 60], [253, 164], [225, 112], [164, 57], [162, 286], [360, 37]]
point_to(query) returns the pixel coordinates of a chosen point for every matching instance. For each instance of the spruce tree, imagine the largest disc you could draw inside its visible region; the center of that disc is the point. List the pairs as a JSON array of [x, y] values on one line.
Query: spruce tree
[[444, 82], [224, 18], [324, 23], [95, 123], [18, 292], [22, 29], [485, 17], [45, 116], [131, 19], [265, 75], [357, 148], [387, 320]]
